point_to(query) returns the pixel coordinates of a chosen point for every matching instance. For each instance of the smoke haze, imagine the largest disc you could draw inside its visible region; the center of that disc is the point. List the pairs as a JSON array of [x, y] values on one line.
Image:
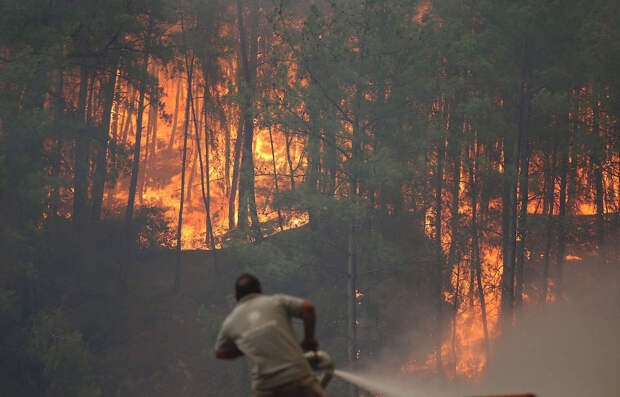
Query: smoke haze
[[564, 349]]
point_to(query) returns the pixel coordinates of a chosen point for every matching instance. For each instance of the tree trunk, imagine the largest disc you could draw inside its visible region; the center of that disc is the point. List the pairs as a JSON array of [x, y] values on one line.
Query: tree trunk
[[80, 198], [524, 192], [475, 246], [287, 140], [313, 148], [57, 161], [145, 161], [155, 113], [129, 239], [550, 199], [209, 240], [227, 187], [508, 230], [598, 179], [210, 235], [562, 217], [115, 119], [135, 169], [438, 268], [131, 101], [454, 257], [102, 153], [235, 177], [352, 349], [175, 116], [275, 177], [512, 149], [177, 273], [247, 197]]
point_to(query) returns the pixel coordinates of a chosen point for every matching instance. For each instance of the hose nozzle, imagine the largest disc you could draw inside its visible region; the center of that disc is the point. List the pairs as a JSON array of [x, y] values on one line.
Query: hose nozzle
[[321, 362]]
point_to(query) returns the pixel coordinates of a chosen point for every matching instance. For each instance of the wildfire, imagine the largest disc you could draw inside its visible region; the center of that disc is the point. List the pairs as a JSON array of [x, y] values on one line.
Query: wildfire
[[160, 176], [281, 157]]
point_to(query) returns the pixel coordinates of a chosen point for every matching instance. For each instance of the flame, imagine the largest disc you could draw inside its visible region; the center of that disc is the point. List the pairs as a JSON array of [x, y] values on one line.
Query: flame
[[163, 171]]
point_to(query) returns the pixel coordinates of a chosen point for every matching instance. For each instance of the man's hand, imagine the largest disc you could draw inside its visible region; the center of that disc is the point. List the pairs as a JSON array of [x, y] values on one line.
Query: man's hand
[[310, 344]]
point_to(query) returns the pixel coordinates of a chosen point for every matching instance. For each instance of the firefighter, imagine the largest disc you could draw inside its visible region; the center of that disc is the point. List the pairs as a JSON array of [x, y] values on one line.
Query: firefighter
[[259, 327]]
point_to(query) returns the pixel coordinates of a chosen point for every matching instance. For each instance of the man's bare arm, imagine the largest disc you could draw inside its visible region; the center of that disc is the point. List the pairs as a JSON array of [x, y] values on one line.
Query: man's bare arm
[[308, 315]]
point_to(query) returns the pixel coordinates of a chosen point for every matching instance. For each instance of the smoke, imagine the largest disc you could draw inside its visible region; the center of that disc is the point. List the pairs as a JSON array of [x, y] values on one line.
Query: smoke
[[563, 349], [570, 348]]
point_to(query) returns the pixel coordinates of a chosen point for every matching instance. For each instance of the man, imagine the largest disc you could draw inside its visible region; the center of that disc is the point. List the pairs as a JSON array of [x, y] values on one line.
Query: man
[[259, 327]]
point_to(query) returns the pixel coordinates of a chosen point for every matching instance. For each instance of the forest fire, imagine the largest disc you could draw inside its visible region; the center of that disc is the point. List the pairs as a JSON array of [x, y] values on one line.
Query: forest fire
[[426, 172]]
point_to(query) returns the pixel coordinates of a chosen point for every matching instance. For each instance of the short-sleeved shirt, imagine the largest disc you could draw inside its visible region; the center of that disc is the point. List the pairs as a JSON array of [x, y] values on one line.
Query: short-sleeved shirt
[[260, 327]]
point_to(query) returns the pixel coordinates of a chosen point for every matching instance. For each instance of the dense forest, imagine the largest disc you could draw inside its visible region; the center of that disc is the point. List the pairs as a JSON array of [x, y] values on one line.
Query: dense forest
[[422, 171]]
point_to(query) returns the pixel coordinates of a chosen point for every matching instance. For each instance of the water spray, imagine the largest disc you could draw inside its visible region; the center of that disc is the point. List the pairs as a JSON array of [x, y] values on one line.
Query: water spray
[[323, 365]]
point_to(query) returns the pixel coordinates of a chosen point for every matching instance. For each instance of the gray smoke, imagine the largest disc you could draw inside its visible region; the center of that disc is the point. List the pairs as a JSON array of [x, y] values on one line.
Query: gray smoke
[[568, 348]]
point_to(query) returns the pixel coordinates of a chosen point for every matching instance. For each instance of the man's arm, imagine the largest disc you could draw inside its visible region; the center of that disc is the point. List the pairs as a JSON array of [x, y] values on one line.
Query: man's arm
[[228, 354], [225, 347], [308, 315]]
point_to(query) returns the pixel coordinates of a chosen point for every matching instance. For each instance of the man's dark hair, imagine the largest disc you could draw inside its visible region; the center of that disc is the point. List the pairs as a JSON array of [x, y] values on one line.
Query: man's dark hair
[[247, 284]]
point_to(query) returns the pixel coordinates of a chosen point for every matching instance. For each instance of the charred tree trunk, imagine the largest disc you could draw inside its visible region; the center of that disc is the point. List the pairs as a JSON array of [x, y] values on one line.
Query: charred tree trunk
[[508, 231], [475, 245], [287, 140], [524, 192], [227, 144], [189, 65], [102, 153], [135, 169], [175, 117], [454, 150], [115, 119], [207, 199], [438, 268], [155, 115], [131, 100], [247, 197], [454, 257], [352, 349], [80, 180], [511, 175], [129, 239], [192, 172], [232, 198], [145, 161], [562, 217], [209, 240], [550, 199], [597, 160], [275, 177], [314, 164], [57, 161]]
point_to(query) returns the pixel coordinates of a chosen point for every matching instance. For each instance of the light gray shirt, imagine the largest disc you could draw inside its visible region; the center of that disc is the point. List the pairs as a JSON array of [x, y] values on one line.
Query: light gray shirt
[[260, 327]]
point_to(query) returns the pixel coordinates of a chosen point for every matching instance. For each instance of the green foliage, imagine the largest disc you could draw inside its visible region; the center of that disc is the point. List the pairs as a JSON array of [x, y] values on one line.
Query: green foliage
[[63, 358], [267, 258]]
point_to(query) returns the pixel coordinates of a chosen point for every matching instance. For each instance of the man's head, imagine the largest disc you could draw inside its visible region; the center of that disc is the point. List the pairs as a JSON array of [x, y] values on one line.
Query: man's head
[[247, 284]]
